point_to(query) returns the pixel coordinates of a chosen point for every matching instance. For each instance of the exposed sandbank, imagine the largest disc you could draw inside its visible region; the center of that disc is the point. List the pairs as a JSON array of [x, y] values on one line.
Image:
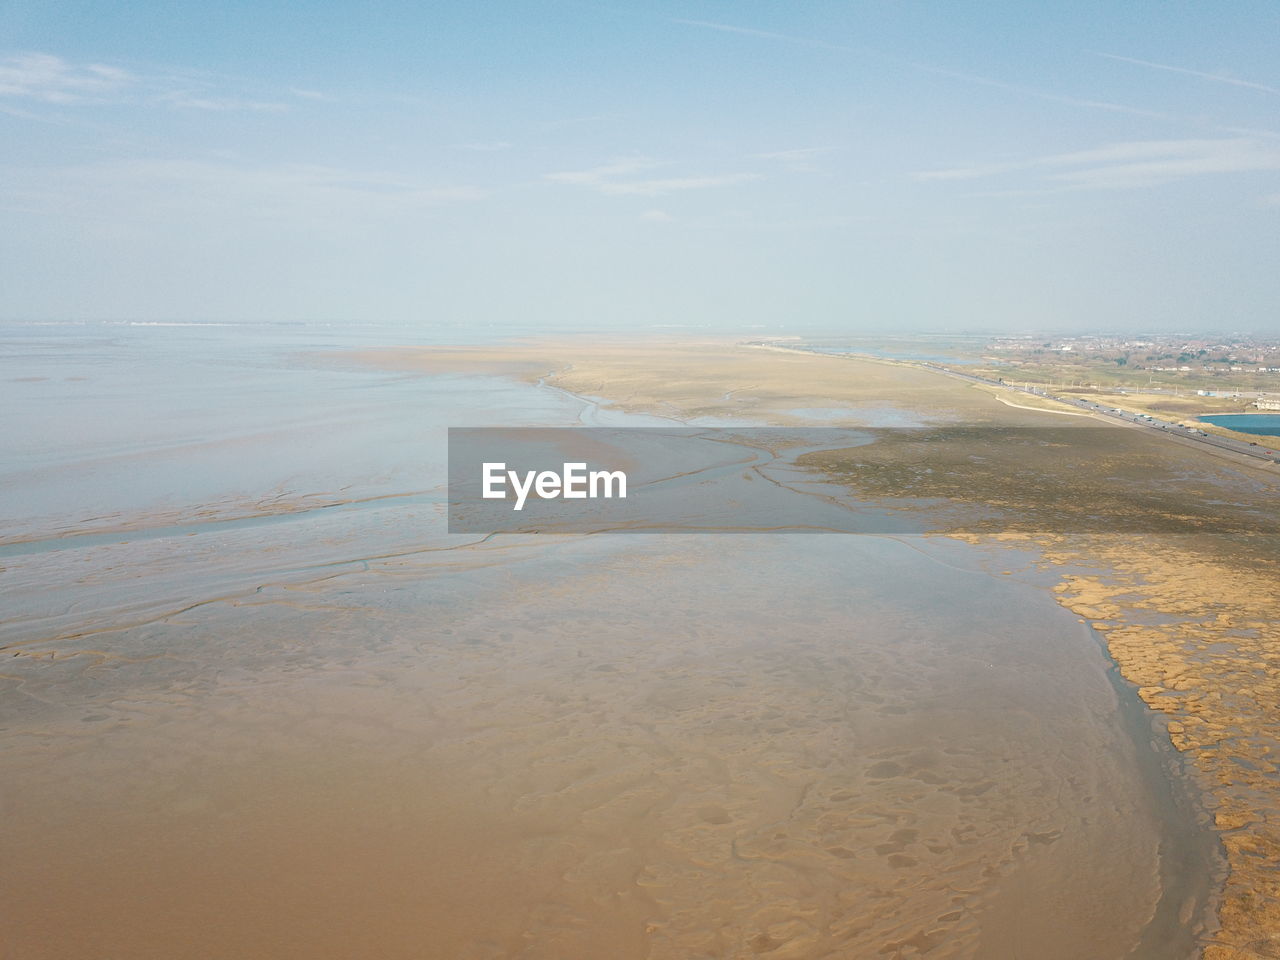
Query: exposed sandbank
[[1227, 608]]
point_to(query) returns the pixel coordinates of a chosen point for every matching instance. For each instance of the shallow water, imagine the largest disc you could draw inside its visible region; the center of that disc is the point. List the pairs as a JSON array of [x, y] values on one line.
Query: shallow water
[[1259, 424], [258, 703]]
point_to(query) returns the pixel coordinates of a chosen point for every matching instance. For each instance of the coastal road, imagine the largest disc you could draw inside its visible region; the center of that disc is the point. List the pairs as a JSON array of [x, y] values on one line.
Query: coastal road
[[1264, 449]]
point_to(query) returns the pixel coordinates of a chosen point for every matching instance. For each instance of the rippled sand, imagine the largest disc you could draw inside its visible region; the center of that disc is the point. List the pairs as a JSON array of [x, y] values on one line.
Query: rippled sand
[[715, 747]]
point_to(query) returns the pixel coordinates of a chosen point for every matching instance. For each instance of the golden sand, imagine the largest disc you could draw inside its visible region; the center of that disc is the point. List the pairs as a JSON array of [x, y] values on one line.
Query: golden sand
[[1212, 667]]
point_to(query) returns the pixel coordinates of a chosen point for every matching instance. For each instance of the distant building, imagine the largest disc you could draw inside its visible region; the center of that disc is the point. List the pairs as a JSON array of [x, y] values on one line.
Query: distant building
[[1267, 404]]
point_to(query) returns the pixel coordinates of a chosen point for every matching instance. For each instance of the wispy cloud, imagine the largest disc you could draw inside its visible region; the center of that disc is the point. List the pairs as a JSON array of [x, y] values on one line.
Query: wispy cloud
[[27, 115], [765, 34], [598, 176], [799, 160], [1252, 132], [618, 179], [194, 101], [1038, 94], [801, 153], [43, 78], [1018, 89], [563, 122], [656, 216], [49, 79], [492, 146], [1131, 164], [654, 188], [1215, 77], [159, 190]]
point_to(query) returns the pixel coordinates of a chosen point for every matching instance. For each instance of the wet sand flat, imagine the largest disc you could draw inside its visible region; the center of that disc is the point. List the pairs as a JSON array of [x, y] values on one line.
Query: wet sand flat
[[1188, 599], [332, 737], [674, 750], [1189, 607], [1189, 613]]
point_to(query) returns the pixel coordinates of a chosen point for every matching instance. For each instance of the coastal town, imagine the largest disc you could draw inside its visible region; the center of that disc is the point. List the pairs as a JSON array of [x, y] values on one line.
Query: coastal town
[[1216, 398], [1214, 366]]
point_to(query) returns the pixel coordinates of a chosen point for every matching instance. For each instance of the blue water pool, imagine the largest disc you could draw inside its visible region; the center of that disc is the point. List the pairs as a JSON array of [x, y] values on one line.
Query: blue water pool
[[1262, 424]]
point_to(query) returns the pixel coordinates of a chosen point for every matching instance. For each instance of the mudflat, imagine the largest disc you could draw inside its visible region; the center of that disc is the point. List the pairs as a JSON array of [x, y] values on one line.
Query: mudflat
[[1168, 550], [1190, 593], [629, 747], [654, 747]]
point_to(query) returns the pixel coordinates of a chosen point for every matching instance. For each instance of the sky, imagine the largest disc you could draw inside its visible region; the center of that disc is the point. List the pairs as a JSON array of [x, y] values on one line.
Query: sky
[[860, 167]]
